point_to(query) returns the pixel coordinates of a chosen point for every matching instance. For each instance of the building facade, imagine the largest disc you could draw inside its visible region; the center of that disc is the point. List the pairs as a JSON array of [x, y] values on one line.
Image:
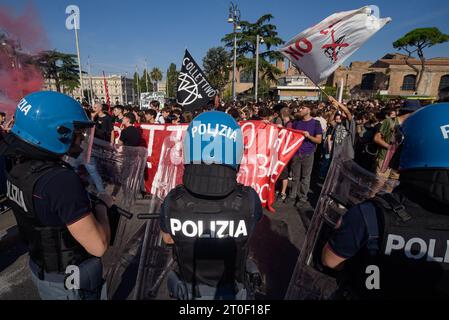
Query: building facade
[[120, 89], [392, 76], [290, 85]]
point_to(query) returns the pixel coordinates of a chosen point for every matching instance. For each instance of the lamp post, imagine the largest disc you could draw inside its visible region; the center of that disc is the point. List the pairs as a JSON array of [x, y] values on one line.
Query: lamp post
[[234, 18], [259, 39]]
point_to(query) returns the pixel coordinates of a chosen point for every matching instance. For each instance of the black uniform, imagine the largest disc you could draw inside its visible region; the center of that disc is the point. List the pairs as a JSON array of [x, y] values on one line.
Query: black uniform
[[210, 218], [46, 196], [405, 236]]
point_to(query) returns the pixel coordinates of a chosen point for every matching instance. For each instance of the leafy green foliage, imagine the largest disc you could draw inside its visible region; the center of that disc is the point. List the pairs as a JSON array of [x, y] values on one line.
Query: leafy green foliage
[[172, 79], [61, 67], [246, 46], [216, 66]]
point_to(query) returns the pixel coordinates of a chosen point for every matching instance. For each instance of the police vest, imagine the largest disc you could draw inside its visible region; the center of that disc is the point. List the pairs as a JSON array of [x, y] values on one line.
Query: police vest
[[51, 248], [411, 253], [210, 235]]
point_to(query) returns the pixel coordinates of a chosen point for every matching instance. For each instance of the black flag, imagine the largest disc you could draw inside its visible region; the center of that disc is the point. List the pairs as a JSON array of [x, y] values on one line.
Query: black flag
[[194, 90]]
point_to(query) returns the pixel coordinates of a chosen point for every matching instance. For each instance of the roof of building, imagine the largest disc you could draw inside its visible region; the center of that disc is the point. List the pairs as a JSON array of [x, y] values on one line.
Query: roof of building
[[400, 59]]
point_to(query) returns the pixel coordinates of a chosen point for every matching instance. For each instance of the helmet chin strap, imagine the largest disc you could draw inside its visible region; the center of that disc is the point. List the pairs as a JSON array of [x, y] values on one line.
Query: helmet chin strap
[[75, 151]]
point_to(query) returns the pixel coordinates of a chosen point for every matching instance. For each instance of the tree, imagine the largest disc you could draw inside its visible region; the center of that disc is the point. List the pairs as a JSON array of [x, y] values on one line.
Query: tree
[[216, 67], [144, 86], [415, 42], [172, 79], [137, 85], [156, 75], [61, 67], [246, 47]]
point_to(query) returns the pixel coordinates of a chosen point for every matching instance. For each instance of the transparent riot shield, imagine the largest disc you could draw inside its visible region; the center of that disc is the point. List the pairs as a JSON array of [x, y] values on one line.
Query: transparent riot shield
[[346, 184], [117, 171], [140, 260]]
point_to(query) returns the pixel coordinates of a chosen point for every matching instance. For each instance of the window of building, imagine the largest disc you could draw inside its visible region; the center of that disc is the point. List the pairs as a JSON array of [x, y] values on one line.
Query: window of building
[[444, 83], [246, 77], [409, 83], [368, 80]]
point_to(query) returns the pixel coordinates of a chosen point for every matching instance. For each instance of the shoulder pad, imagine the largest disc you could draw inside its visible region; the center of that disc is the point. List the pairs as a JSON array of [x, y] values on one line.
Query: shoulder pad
[[177, 192]]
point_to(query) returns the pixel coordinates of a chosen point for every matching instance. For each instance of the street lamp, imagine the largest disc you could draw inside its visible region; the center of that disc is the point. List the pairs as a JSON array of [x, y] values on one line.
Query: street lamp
[[234, 18], [259, 39]]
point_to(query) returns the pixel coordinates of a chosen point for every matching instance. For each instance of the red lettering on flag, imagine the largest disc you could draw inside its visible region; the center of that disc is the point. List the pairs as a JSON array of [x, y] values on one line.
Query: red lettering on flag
[[297, 51]]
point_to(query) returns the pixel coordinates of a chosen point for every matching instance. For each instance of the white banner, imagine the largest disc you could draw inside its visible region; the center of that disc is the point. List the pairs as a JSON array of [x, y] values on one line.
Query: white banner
[[147, 97], [319, 50]]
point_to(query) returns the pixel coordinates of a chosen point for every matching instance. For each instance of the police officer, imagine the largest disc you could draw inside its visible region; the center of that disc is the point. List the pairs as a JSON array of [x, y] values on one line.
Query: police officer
[[396, 245], [52, 209], [210, 217]]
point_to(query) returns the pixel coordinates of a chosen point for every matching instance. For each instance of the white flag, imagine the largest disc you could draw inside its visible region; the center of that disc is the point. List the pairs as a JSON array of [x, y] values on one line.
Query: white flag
[[319, 50]]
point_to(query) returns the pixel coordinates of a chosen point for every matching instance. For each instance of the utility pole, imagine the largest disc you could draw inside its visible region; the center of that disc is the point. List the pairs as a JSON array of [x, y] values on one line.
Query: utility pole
[[259, 39], [79, 61], [234, 18]]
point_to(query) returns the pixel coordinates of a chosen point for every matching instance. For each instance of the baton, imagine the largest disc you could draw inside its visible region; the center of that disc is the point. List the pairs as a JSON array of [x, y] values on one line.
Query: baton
[[148, 216], [114, 208]]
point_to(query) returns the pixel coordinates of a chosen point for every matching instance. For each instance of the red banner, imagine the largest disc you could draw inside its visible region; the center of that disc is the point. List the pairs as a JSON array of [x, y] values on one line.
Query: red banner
[[268, 149]]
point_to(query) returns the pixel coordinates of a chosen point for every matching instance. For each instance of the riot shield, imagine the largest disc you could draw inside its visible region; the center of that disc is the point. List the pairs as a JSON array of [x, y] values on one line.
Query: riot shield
[[156, 259], [346, 184], [119, 172]]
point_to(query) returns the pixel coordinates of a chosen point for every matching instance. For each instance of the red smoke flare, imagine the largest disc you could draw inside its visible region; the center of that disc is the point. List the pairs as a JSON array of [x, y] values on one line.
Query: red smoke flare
[[21, 37]]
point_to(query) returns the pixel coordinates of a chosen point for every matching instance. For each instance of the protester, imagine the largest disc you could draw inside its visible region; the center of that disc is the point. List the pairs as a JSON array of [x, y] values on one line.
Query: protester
[[302, 163], [344, 130], [130, 136], [286, 122], [150, 116], [103, 122], [386, 138], [162, 115]]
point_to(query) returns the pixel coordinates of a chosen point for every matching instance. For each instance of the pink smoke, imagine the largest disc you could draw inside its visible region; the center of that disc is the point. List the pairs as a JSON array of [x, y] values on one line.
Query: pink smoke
[[25, 37]]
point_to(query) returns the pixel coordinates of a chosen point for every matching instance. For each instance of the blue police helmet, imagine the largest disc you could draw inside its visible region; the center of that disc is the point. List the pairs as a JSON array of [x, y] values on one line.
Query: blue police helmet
[[48, 120], [213, 137], [426, 138]]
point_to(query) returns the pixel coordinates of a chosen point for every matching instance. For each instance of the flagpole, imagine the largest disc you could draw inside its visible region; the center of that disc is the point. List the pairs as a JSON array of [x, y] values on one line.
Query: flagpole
[[92, 98], [79, 60]]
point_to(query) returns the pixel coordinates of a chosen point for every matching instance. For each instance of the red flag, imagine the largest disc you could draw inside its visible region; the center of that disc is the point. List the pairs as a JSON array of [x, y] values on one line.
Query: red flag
[[108, 100], [268, 149]]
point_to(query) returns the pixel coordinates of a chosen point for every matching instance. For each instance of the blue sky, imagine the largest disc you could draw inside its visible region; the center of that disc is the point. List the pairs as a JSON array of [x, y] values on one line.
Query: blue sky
[[117, 35]]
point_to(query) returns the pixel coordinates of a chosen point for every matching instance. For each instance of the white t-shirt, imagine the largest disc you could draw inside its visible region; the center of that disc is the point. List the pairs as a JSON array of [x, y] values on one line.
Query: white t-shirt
[[323, 123], [159, 118]]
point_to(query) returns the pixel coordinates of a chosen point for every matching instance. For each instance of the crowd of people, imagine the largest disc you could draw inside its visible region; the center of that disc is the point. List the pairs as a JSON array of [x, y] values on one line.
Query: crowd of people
[[364, 130]]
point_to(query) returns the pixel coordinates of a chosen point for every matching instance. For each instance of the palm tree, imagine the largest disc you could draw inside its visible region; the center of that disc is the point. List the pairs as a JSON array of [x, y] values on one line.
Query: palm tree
[[246, 47], [156, 75]]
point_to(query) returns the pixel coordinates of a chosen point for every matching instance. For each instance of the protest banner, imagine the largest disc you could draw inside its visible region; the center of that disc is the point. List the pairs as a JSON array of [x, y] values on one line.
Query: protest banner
[[268, 149]]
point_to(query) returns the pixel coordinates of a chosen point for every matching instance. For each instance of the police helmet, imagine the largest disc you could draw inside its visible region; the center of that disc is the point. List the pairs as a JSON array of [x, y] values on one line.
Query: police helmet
[[213, 137], [426, 138], [49, 120]]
